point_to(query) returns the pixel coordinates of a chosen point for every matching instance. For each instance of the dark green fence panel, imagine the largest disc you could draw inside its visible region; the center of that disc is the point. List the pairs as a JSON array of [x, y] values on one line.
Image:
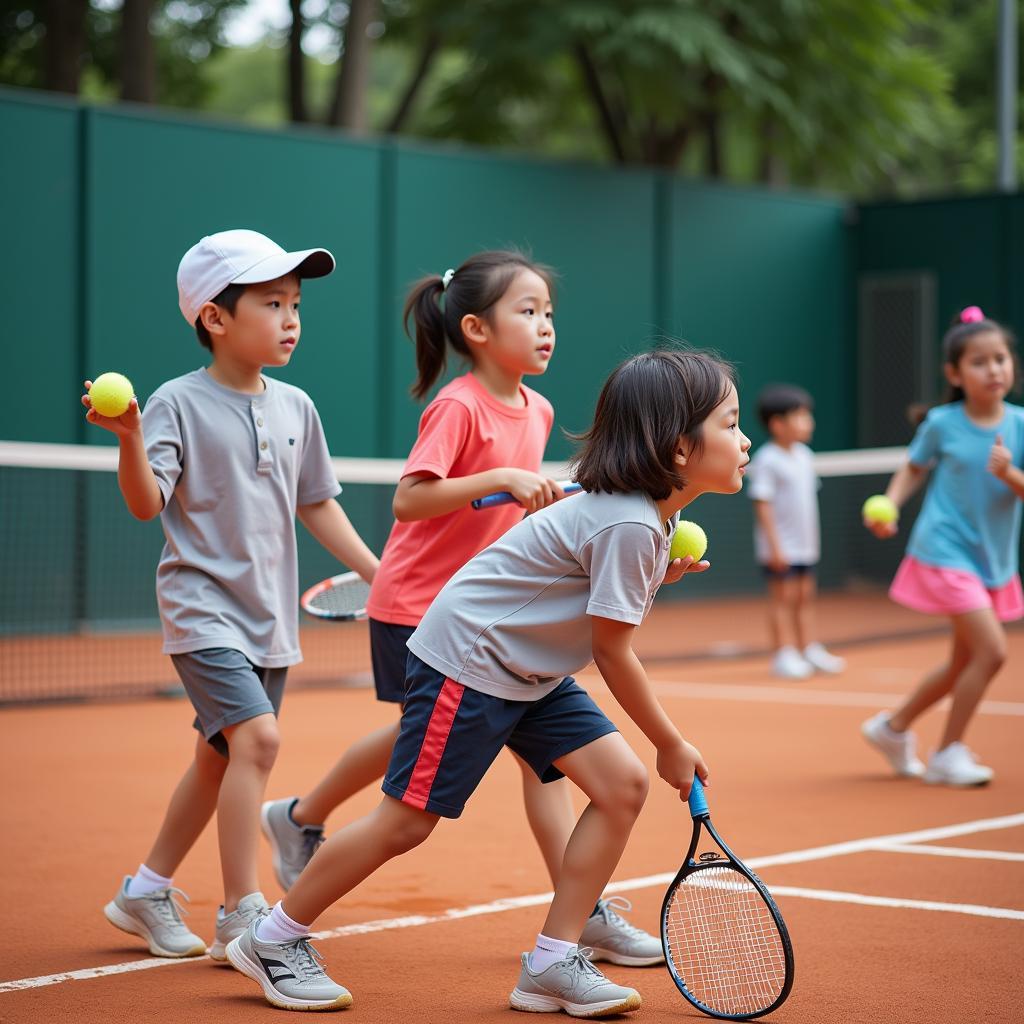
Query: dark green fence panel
[[40, 216], [760, 278], [595, 227]]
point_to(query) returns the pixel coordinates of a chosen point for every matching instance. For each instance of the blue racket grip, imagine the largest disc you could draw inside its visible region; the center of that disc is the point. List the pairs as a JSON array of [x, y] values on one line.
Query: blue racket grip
[[506, 498], [697, 801]]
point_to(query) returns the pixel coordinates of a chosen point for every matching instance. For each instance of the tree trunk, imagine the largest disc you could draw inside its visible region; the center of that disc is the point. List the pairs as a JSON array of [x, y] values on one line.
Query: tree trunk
[[65, 43], [348, 107], [138, 58], [771, 170], [610, 121], [711, 122], [431, 46], [296, 66]]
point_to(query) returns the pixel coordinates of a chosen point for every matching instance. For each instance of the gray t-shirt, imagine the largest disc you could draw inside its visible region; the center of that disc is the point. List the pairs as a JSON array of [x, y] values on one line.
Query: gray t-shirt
[[788, 481], [514, 620], [232, 469]]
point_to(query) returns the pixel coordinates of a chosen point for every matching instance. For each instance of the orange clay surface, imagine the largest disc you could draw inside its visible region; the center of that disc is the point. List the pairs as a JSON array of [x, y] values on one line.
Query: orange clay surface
[[85, 787]]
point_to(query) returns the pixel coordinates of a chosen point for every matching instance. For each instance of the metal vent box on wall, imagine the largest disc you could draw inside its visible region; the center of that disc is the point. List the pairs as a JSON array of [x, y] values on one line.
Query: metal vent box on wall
[[897, 359]]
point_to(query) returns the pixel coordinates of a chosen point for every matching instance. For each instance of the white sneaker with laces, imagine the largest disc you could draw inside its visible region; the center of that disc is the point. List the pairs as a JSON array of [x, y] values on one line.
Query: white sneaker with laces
[[789, 663], [823, 660], [898, 748], [574, 986], [611, 937], [230, 926], [956, 765]]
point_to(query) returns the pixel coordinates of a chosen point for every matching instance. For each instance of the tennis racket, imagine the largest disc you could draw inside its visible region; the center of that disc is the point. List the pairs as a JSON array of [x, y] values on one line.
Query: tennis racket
[[726, 945], [341, 597], [507, 498]]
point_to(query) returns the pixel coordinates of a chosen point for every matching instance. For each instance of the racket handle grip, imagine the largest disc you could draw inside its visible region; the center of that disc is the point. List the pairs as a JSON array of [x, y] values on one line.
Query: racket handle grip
[[506, 497], [697, 801]]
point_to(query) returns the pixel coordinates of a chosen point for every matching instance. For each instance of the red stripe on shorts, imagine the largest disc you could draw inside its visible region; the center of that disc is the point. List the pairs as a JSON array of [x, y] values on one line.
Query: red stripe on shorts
[[417, 793]]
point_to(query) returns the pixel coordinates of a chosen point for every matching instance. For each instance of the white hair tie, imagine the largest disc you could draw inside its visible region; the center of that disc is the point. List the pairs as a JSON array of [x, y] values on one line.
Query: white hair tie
[[446, 278]]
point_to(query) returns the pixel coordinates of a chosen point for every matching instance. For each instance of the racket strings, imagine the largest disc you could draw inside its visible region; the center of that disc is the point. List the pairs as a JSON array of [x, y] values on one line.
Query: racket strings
[[342, 598], [724, 943]]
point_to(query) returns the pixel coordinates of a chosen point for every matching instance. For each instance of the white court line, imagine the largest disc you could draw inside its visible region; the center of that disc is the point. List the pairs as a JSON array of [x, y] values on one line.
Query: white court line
[[950, 851], [647, 882], [793, 695], [831, 896]]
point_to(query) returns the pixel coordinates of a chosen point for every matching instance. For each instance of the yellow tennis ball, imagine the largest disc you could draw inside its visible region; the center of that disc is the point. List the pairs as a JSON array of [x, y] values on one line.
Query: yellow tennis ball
[[880, 509], [111, 394], [689, 539]]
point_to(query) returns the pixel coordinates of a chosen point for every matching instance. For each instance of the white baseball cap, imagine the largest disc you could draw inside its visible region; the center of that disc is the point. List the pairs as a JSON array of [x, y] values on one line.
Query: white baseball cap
[[239, 257]]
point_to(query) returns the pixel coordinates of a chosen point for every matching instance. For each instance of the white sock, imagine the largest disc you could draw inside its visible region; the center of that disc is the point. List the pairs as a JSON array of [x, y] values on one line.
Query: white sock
[[145, 881], [277, 926], [549, 951]]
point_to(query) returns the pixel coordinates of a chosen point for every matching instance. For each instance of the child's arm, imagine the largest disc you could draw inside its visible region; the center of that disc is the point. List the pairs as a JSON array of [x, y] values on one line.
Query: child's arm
[[424, 497], [135, 476], [765, 516], [1000, 464], [327, 521], [904, 483], [612, 645]]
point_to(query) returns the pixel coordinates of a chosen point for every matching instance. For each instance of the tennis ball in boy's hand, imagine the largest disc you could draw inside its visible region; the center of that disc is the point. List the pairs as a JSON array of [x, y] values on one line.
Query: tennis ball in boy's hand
[[689, 539], [111, 394], [880, 509]]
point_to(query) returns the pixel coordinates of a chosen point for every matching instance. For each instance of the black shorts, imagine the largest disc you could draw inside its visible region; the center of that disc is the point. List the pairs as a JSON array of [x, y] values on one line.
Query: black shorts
[[451, 735], [388, 654], [790, 572]]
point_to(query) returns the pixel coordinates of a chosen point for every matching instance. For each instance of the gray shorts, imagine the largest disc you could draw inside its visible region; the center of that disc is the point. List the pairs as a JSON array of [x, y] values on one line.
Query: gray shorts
[[226, 688]]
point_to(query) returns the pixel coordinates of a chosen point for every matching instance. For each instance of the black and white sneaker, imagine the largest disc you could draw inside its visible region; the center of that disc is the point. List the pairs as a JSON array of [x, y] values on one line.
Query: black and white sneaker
[[290, 973]]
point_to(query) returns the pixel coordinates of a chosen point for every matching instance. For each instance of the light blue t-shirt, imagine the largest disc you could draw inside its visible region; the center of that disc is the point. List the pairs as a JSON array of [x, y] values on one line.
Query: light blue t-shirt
[[970, 519]]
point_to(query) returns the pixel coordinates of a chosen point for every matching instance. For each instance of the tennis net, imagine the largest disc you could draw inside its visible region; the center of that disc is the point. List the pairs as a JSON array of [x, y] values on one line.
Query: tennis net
[[78, 614]]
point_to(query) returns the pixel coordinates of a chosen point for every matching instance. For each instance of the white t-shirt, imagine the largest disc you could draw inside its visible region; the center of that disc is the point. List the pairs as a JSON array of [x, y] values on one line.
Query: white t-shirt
[[514, 621], [787, 480]]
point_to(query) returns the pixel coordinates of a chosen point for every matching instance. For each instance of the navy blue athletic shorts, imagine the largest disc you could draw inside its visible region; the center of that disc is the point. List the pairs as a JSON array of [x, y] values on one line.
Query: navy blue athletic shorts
[[388, 655], [451, 734], [788, 573]]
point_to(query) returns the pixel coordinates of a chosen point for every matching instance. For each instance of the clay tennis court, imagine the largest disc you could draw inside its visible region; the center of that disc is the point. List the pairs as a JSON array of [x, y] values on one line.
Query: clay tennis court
[[905, 902]]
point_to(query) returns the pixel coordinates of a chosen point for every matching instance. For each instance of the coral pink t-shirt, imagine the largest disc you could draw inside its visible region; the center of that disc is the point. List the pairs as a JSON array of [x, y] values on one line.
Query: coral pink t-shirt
[[464, 430]]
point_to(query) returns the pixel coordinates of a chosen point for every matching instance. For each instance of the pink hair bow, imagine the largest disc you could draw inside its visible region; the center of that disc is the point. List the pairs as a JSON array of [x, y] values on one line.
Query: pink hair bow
[[971, 315]]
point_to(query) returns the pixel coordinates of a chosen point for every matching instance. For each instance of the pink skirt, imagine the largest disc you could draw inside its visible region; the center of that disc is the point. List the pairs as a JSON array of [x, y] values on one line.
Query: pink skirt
[[937, 591]]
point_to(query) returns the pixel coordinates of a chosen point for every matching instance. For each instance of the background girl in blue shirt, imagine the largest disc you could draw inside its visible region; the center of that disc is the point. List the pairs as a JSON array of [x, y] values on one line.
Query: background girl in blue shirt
[[962, 557]]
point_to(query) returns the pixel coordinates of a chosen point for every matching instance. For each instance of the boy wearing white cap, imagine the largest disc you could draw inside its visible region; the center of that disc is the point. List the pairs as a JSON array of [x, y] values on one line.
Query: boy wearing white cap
[[228, 457]]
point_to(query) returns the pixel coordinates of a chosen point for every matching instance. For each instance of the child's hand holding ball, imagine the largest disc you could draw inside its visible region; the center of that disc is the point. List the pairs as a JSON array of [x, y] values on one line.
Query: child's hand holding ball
[[881, 515], [686, 551], [112, 404]]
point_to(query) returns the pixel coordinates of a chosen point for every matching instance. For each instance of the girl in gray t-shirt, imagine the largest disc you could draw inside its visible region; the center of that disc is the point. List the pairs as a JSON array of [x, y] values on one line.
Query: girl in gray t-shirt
[[491, 664]]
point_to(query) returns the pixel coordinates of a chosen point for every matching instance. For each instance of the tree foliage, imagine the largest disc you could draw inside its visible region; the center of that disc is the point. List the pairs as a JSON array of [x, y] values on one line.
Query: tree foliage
[[865, 96]]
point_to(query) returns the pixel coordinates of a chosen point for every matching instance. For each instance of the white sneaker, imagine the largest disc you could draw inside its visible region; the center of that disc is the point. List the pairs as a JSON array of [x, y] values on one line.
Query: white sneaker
[[898, 748], [955, 765], [823, 660], [789, 663]]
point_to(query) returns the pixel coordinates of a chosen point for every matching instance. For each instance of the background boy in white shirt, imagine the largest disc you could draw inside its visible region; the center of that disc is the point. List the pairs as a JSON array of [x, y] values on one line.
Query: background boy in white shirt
[[784, 489]]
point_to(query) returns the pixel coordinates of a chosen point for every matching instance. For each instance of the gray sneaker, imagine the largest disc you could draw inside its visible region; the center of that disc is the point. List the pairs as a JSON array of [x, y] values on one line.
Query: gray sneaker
[[292, 845], [290, 973], [230, 926], [611, 937], [574, 985], [157, 918]]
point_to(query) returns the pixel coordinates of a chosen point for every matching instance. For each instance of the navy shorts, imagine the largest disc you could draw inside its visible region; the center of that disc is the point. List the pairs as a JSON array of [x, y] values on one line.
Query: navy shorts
[[789, 572], [226, 688], [388, 655], [451, 734]]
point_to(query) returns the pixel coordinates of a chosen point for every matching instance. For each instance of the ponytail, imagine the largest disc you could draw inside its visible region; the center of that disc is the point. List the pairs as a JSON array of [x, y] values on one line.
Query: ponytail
[[436, 306], [423, 305]]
